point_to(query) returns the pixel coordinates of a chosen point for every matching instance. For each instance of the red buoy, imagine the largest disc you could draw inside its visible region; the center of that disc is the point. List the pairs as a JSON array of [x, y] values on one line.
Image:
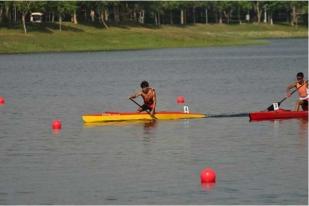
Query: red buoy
[[180, 100], [56, 124], [208, 175], [2, 101]]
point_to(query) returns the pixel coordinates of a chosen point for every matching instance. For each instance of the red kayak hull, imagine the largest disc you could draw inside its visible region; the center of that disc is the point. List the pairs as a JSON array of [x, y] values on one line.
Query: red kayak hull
[[279, 114]]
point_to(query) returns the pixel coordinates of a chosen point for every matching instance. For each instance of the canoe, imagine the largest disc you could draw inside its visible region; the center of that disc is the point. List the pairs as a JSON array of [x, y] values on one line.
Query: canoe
[[278, 114], [131, 116]]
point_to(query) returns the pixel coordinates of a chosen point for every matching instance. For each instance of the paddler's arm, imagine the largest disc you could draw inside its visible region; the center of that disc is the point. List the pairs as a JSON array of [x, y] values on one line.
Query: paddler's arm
[[290, 86], [135, 95], [154, 103]]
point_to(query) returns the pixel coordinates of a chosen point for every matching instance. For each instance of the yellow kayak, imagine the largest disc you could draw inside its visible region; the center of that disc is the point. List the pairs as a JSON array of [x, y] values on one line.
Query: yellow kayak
[[131, 116]]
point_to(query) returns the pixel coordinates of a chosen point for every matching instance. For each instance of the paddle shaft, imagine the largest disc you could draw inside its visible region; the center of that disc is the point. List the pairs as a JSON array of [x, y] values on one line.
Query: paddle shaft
[[271, 107], [142, 108]]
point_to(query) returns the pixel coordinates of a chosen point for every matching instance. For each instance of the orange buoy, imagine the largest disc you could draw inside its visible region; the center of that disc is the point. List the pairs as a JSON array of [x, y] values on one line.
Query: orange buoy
[[56, 124], [208, 175], [180, 100], [2, 101]]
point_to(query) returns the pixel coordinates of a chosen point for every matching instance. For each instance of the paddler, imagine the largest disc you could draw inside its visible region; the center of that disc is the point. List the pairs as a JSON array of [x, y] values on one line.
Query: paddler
[[149, 96], [302, 88]]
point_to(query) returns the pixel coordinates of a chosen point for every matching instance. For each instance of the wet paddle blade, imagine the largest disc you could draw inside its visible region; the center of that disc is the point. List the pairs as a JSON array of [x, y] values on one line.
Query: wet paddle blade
[[271, 107]]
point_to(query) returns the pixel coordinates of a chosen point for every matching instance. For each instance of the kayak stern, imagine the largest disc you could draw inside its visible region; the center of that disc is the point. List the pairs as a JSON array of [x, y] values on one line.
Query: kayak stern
[[278, 114]]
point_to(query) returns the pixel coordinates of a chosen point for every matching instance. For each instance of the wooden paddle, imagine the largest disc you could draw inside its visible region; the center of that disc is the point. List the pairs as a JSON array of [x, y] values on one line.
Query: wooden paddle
[[271, 107], [142, 108]]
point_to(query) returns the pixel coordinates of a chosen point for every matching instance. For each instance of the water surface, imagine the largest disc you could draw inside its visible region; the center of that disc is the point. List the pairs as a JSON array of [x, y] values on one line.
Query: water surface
[[159, 163]]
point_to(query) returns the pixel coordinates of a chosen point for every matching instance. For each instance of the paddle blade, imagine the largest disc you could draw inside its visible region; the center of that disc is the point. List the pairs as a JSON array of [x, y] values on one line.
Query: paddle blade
[[271, 107]]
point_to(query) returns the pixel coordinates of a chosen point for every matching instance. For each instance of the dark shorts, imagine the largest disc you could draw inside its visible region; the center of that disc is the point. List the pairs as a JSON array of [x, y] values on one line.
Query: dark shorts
[[305, 105], [146, 107]]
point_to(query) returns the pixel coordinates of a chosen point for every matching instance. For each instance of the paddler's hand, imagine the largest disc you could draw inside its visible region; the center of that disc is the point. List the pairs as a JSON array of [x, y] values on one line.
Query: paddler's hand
[[132, 97]]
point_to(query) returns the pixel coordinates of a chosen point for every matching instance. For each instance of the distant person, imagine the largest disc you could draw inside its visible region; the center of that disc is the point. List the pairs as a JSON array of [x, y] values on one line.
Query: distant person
[[302, 88], [149, 96]]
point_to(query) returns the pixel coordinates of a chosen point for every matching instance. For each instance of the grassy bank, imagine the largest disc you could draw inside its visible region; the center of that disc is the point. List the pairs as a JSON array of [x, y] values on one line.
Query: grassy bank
[[47, 38]]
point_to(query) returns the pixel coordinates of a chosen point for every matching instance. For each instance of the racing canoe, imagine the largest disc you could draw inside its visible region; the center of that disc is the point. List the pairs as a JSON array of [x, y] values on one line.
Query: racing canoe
[[131, 116], [278, 114]]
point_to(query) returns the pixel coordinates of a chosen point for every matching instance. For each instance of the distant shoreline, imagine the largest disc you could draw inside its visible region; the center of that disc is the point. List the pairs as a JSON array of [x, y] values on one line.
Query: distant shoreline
[[44, 38]]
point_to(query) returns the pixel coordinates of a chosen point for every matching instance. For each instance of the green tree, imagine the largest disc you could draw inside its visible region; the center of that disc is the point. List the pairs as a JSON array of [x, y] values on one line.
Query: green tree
[[258, 5], [6, 11], [241, 7], [73, 11], [272, 7], [182, 6], [154, 10], [169, 7], [60, 8], [221, 7], [24, 8], [245, 6], [116, 10], [157, 9], [296, 8], [206, 5], [101, 8], [1, 11]]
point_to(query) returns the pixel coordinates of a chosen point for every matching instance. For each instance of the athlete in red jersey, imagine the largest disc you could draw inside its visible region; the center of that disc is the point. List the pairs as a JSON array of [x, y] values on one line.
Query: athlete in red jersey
[[149, 96]]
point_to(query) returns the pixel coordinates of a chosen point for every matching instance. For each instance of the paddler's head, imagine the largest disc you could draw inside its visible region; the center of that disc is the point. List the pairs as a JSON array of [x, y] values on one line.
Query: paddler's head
[[145, 86], [300, 77]]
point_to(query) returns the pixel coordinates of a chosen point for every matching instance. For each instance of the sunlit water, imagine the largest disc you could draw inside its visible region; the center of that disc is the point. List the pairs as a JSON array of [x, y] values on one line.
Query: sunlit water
[[143, 163]]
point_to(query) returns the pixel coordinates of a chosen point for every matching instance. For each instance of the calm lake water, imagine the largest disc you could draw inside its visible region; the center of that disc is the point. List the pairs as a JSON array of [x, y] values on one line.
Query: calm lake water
[[139, 163]]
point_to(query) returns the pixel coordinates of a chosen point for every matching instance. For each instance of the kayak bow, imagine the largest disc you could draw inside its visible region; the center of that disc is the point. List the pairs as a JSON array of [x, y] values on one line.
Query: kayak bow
[[131, 116], [278, 114]]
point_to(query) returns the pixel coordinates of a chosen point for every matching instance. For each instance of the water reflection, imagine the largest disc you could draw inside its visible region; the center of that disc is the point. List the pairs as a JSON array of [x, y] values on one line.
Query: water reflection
[[147, 123], [303, 131], [55, 131], [148, 130], [208, 186], [150, 124], [302, 124]]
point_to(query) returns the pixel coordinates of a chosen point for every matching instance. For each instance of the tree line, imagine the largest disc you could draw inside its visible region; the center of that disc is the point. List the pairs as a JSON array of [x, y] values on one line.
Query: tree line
[[155, 12]]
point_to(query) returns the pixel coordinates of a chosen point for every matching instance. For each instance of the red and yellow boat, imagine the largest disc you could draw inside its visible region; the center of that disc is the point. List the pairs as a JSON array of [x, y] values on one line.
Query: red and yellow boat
[[277, 114], [133, 116]]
